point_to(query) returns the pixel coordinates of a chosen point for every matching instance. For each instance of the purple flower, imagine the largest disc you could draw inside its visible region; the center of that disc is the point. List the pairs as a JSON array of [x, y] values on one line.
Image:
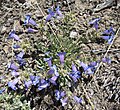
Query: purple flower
[[106, 60], [20, 59], [29, 20], [11, 65], [47, 53], [108, 35], [87, 69], [59, 94], [61, 56], [53, 80], [64, 101], [109, 31], [108, 38], [2, 90], [21, 54], [75, 79], [35, 79], [95, 23], [77, 99], [16, 46], [62, 93], [43, 84], [27, 84], [53, 70], [31, 30], [93, 65], [50, 15], [74, 69], [49, 61], [75, 75], [12, 35], [32, 78], [58, 11], [12, 84], [14, 73], [85, 66]]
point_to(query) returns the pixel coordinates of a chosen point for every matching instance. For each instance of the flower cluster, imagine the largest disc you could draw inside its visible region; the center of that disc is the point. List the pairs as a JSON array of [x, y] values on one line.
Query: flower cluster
[[95, 23], [51, 14], [108, 35], [12, 35], [59, 95], [53, 74]]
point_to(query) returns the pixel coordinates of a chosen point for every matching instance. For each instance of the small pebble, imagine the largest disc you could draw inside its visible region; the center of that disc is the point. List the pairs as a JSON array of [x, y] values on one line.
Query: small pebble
[[73, 34]]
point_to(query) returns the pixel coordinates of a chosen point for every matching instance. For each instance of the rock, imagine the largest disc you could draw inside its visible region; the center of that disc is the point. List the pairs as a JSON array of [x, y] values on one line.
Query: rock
[[3, 30], [38, 14], [73, 34]]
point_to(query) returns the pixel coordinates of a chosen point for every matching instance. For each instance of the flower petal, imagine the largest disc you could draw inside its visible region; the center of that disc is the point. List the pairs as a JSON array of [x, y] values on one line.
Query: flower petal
[[64, 101], [77, 99]]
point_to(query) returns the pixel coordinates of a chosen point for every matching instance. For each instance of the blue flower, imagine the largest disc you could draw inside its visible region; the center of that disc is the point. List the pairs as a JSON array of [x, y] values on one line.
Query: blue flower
[[29, 20], [11, 65], [53, 80], [87, 69], [94, 65], [64, 101], [58, 11], [50, 15], [75, 75], [16, 46], [53, 70], [108, 38], [106, 60], [2, 90], [108, 35], [12, 35], [31, 30], [59, 94], [14, 73], [27, 84], [74, 69], [20, 59], [77, 99], [47, 53], [109, 31], [43, 84], [49, 61], [95, 23], [35, 79], [12, 84], [61, 56], [21, 54]]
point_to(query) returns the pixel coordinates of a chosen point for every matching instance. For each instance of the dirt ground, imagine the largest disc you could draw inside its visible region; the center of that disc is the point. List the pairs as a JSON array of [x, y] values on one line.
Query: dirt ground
[[104, 90]]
